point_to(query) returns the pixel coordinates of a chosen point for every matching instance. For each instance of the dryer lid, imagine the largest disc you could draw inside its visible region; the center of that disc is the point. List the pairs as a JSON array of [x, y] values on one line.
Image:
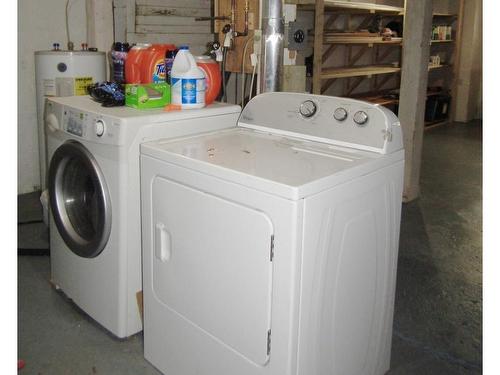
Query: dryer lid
[[289, 167]]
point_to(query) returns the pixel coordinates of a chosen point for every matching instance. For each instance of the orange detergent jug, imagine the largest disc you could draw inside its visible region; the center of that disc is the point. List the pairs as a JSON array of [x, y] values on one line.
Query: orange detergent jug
[[133, 64], [146, 63], [213, 77], [153, 64]]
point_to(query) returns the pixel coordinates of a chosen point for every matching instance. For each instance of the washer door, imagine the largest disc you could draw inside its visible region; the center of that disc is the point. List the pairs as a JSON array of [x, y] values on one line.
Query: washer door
[[79, 199]]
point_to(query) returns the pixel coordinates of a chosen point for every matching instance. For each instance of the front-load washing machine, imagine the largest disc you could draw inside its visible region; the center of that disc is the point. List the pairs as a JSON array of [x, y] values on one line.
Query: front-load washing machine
[[95, 226], [271, 248]]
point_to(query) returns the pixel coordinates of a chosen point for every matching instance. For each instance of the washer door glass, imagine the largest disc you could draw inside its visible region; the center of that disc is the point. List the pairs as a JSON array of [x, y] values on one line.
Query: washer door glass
[[79, 199]]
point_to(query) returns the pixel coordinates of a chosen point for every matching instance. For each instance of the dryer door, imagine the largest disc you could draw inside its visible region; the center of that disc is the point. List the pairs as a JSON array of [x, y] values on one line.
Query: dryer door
[[212, 271], [79, 199]]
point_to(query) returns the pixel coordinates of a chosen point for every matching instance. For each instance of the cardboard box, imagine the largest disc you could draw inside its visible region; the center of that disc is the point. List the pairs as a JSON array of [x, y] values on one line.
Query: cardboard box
[[152, 95]]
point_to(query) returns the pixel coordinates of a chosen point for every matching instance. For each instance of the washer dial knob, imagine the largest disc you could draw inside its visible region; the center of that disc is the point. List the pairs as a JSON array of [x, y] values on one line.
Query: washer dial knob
[[308, 109], [340, 114], [99, 128], [360, 118]]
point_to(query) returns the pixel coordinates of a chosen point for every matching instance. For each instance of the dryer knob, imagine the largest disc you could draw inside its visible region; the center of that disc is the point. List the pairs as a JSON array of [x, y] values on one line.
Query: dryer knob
[[360, 118], [340, 114], [99, 128]]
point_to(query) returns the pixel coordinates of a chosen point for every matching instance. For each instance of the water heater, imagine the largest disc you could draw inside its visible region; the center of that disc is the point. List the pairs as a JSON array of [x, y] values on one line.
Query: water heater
[[63, 73]]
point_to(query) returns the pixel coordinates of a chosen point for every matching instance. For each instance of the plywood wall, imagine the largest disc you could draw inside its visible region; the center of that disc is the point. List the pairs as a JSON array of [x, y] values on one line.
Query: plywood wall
[[235, 54], [170, 21]]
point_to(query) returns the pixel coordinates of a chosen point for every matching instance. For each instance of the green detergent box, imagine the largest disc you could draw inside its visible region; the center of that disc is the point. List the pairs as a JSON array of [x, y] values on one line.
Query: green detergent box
[[150, 95]]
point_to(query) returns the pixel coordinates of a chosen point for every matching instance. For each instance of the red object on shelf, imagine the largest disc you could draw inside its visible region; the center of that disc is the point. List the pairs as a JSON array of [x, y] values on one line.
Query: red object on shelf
[[20, 364], [213, 77]]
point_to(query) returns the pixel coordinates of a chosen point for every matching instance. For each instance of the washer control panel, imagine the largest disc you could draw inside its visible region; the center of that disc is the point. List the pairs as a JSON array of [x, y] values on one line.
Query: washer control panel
[[90, 126]]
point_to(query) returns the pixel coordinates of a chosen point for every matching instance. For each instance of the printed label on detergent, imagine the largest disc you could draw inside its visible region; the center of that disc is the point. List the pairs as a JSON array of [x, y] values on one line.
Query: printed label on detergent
[[159, 72], [81, 84], [193, 90]]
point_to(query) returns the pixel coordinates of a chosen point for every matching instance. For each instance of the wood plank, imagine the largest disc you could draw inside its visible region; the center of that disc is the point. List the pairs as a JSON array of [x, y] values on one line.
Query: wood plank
[[358, 71], [234, 56], [120, 20], [353, 87], [435, 124], [327, 85], [432, 67], [170, 21], [385, 54], [172, 29], [442, 41], [331, 49], [378, 100], [130, 17], [319, 20], [170, 11], [331, 20], [353, 59], [294, 78], [197, 42], [363, 6], [412, 99], [361, 40], [382, 82], [175, 3], [355, 5]]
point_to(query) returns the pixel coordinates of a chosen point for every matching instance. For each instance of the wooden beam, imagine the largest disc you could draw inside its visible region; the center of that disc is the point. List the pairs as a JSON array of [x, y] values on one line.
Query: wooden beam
[[331, 20], [120, 20], [353, 87], [366, 21], [354, 59], [319, 20], [416, 46], [327, 85], [329, 52], [130, 17], [382, 82], [385, 54]]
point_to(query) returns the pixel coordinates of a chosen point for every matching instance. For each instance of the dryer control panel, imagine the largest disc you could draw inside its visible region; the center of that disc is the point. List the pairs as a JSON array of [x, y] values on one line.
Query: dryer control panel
[[327, 119]]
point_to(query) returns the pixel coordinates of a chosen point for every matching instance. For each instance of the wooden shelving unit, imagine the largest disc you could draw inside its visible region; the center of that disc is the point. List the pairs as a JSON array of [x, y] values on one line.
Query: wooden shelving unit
[[357, 45], [448, 50], [358, 71], [442, 41], [337, 38]]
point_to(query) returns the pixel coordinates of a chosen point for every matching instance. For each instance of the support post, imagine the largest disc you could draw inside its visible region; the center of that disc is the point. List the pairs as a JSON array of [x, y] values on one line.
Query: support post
[[319, 22], [416, 46]]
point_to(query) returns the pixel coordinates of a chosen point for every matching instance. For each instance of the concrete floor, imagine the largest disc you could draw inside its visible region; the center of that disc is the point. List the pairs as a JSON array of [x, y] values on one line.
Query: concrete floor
[[437, 323]]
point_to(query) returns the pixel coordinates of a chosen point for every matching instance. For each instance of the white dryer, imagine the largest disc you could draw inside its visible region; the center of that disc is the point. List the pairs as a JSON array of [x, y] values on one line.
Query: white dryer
[[95, 236], [271, 248]]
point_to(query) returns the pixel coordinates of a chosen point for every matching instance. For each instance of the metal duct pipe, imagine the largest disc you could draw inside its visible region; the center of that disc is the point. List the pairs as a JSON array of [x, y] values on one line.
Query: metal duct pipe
[[271, 60]]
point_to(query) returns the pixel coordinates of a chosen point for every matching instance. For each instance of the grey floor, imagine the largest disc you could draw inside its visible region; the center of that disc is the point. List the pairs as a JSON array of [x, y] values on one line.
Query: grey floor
[[437, 323]]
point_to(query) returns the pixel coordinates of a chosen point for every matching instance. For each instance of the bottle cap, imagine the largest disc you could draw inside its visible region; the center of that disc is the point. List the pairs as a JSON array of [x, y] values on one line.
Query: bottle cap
[[183, 47]]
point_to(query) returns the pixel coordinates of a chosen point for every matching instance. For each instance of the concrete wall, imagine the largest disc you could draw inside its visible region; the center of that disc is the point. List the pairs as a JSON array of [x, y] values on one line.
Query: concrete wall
[[40, 23], [469, 79]]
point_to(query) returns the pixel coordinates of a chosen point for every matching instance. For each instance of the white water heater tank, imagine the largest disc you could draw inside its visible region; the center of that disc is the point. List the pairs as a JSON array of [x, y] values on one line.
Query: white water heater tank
[[63, 73]]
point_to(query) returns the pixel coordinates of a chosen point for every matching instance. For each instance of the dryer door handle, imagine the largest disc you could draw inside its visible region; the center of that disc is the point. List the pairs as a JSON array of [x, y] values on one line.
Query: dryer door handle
[[163, 243]]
